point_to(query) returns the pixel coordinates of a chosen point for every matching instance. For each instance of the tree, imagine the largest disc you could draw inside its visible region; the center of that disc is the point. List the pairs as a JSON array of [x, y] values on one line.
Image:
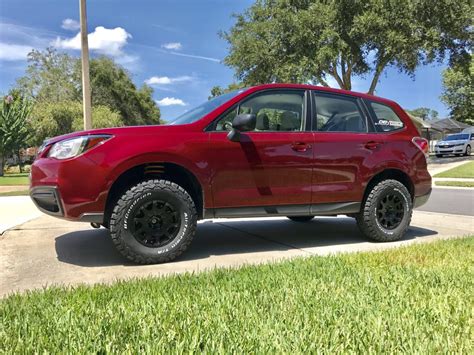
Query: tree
[[458, 92], [217, 90], [51, 119], [111, 86], [424, 112], [313, 40], [14, 126], [56, 77]]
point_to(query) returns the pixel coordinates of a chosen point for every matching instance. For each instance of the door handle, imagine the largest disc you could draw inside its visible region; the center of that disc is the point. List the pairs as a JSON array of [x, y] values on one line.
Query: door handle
[[300, 146], [372, 145]]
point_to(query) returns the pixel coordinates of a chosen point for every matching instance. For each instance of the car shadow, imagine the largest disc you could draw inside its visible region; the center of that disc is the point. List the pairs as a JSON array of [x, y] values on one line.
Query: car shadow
[[94, 248]]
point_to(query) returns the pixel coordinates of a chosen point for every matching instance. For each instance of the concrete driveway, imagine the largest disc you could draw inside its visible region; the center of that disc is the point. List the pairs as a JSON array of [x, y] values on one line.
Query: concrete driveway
[[48, 251]]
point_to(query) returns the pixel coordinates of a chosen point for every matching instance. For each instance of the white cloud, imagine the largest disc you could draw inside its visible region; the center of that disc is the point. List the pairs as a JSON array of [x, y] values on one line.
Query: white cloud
[[12, 52], [171, 101], [176, 46], [165, 80], [102, 40], [70, 24]]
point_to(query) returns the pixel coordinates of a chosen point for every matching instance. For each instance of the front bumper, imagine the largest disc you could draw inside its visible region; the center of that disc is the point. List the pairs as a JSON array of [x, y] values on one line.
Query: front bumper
[[450, 150], [48, 200]]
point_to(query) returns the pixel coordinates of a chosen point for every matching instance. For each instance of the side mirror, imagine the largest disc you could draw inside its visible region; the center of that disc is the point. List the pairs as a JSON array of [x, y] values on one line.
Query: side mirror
[[242, 123]]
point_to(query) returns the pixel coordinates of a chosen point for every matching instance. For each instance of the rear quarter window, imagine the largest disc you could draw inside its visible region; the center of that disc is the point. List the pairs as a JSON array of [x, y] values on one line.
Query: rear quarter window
[[385, 119]]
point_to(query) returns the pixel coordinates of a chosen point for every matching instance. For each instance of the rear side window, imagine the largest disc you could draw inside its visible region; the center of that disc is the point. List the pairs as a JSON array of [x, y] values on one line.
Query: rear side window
[[336, 113], [385, 119]]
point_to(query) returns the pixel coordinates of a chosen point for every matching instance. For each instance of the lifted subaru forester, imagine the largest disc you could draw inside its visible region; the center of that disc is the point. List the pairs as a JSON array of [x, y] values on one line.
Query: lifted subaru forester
[[271, 150]]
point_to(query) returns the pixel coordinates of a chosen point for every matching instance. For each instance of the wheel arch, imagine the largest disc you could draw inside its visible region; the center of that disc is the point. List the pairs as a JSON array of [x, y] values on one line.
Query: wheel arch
[[154, 169], [394, 174]]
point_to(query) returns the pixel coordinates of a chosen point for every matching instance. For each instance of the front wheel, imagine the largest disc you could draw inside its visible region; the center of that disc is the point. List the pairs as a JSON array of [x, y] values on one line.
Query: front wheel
[[468, 150], [153, 222], [386, 212], [301, 218]]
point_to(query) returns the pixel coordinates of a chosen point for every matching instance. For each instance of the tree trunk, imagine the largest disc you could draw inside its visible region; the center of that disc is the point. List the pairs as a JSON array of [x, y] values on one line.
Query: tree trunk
[[1, 164], [20, 164], [378, 71]]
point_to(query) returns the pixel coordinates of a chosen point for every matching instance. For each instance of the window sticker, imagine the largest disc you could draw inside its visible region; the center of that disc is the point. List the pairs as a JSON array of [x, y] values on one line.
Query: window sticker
[[389, 123]]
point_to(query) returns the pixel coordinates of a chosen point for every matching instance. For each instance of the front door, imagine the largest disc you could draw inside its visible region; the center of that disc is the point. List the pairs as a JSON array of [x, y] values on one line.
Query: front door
[[270, 166]]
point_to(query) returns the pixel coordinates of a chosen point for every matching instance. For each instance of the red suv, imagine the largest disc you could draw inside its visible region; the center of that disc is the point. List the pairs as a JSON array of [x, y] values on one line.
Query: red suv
[[270, 150]]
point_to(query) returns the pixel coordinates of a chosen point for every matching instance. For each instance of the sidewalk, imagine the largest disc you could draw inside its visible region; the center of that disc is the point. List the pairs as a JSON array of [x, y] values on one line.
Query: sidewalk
[[44, 252], [15, 210]]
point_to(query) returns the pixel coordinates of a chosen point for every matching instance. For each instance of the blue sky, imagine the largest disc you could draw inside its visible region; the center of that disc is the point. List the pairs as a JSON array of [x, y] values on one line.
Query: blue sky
[[173, 45]]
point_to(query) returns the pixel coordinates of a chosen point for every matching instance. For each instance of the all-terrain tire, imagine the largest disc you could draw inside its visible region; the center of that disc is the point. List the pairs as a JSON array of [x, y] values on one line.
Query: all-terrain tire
[[367, 220], [300, 218], [126, 208]]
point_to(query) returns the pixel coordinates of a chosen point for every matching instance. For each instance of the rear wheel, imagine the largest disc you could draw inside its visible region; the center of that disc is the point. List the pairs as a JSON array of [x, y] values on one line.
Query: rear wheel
[[386, 212], [468, 150], [301, 218], [153, 222]]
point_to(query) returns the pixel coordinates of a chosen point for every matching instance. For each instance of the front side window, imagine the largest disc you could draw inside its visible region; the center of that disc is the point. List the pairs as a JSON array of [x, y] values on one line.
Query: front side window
[[338, 114], [386, 119], [279, 111]]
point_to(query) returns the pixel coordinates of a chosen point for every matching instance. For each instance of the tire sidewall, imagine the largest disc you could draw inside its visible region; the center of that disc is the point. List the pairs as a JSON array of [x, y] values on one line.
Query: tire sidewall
[[407, 206], [125, 219]]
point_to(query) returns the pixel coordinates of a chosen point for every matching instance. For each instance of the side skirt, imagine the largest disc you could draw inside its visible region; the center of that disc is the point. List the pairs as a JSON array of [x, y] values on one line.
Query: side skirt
[[322, 209]]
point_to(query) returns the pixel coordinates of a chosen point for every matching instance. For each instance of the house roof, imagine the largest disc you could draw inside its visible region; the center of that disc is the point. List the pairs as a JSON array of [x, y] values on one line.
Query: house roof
[[448, 123]]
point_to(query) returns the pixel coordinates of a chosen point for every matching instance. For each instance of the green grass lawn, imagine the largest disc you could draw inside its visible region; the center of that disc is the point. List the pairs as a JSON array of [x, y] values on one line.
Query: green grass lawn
[[416, 299], [462, 171], [15, 193], [455, 183], [14, 179]]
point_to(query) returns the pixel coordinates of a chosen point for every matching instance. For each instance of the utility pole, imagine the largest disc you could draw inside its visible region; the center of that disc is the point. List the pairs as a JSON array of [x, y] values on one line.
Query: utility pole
[[86, 88]]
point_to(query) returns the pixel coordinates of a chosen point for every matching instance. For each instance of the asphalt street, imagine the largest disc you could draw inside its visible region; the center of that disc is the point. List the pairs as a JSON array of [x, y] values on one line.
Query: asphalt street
[[452, 201]]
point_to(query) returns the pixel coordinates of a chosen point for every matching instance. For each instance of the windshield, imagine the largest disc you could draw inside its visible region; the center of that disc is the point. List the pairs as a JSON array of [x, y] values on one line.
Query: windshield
[[202, 110], [456, 137]]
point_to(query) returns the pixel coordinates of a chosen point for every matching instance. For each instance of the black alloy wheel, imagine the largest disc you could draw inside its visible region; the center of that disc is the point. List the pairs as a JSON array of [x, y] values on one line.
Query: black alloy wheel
[[156, 223]]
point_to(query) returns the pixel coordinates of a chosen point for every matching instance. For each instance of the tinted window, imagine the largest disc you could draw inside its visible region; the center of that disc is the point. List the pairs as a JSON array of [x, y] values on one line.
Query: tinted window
[[275, 111], [386, 119], [338, 114], [205, 108], [455, 137]]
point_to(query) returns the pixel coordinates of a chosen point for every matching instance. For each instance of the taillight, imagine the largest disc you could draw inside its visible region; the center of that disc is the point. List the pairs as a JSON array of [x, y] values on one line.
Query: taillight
[[422, 144]]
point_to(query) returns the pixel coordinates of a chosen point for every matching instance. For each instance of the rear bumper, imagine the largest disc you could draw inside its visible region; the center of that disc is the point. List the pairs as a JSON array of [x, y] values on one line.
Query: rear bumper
[[421, 200]]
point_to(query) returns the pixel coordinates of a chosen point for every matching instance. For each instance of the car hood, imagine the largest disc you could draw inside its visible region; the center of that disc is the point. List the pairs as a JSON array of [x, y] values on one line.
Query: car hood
[[124, 131]]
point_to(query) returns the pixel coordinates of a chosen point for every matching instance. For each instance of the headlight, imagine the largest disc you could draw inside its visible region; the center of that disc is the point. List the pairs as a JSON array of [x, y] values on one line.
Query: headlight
[[73, 147]]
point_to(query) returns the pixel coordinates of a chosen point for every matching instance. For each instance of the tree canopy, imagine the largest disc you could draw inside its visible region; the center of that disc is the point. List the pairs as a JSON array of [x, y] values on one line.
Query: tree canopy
[[314, 40], [49, 119], [458, 92], [424, 112], [54, 77]]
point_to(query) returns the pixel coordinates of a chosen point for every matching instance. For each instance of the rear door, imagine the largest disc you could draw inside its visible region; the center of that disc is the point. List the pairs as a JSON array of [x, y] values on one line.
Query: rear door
[[342, 149], [270, 166]]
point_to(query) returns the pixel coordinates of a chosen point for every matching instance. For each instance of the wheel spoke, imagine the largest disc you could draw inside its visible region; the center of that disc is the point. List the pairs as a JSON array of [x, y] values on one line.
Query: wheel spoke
[[155, 223]]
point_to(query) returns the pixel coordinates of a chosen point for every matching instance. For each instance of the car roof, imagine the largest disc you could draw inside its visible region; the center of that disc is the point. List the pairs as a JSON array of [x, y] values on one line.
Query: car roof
[[321, 88]]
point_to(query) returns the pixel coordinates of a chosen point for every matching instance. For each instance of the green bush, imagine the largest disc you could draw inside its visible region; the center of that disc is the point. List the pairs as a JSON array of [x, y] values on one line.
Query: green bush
[[54, 119]]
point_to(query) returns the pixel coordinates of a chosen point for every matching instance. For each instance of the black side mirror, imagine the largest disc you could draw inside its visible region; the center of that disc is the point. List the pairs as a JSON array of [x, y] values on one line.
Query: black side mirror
[[242, 123]]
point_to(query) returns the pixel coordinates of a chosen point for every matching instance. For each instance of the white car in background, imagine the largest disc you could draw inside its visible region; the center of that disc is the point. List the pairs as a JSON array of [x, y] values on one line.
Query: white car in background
[[458, 144]]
